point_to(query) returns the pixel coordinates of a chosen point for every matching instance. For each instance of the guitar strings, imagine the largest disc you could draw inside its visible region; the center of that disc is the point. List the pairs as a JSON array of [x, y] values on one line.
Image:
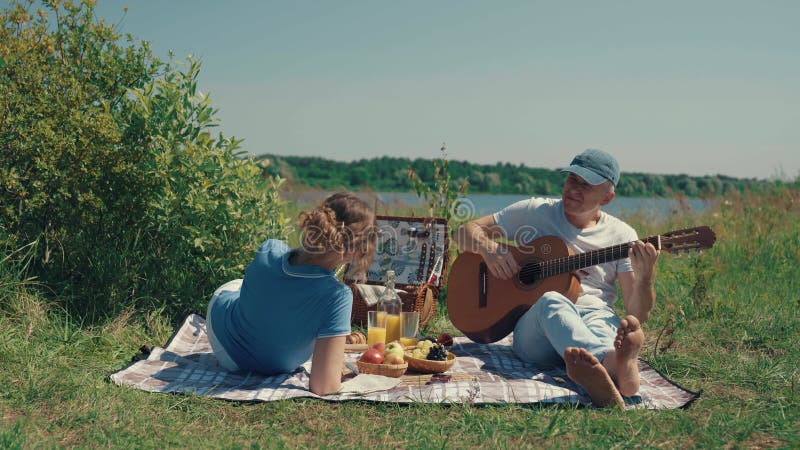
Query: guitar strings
[[569, 263], [572, 262]]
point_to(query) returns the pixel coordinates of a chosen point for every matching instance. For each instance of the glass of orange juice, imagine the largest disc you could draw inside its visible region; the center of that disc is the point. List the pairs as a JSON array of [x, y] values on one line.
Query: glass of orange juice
[[409, 324], [376, 328]]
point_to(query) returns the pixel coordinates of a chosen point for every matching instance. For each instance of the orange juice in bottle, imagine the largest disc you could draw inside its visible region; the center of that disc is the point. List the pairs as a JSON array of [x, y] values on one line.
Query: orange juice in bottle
[[389, 304]]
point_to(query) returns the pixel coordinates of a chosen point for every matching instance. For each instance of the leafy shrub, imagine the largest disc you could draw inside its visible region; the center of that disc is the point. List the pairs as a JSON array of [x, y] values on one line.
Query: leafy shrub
[[209, 208], [108, 165]]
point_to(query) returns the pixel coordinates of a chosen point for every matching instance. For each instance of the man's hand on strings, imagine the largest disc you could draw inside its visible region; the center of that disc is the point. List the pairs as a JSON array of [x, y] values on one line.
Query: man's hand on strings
[[500, 262]]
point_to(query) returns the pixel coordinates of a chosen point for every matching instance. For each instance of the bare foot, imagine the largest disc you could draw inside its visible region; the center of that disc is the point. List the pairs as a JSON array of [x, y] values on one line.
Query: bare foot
[[628, 342], [584, 369]]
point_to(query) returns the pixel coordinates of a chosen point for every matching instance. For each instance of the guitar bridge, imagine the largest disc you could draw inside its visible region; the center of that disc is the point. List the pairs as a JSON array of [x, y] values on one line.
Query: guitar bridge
[[483, 285]]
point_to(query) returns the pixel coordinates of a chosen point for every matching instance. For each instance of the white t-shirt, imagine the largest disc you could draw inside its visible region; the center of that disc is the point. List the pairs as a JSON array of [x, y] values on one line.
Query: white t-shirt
[[536, 217]]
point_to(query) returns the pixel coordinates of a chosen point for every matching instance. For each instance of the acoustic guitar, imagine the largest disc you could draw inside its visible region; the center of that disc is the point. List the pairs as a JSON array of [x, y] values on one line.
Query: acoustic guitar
[[486, 308]]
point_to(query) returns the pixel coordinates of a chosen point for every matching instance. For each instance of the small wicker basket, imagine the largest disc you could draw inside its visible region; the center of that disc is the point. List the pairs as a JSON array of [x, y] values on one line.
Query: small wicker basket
[[429, 366], [387, 370]]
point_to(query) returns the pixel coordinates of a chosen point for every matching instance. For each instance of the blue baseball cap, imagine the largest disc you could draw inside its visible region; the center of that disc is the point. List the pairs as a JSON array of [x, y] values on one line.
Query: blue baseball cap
[[595, 166]]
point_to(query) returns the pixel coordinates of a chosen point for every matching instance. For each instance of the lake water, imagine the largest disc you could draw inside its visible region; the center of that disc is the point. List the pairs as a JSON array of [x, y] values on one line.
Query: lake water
[[476, 205]]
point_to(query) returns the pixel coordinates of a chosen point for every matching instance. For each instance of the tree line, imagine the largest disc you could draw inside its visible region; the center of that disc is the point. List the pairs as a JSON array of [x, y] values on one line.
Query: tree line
[[388, 174]]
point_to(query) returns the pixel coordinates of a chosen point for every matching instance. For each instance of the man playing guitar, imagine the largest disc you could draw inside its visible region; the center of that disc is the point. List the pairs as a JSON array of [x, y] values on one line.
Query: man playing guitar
[[600, 350]]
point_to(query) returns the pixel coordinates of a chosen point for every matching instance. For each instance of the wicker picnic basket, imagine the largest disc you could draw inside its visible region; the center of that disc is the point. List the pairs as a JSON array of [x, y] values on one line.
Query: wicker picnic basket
[[422, 299], [429, 366], [387, 370], [415, 248]]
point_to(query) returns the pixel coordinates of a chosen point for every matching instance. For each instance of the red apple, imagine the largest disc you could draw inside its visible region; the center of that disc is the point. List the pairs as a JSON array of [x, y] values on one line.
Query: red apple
[[372, 356], [380, 346]]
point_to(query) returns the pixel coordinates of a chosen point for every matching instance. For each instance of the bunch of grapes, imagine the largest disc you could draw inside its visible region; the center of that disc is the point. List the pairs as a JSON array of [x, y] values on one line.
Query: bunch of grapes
[[437, 353], [423, 347]]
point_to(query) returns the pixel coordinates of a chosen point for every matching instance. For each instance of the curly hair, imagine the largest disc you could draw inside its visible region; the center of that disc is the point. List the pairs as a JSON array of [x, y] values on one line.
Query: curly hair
[[342, 223]]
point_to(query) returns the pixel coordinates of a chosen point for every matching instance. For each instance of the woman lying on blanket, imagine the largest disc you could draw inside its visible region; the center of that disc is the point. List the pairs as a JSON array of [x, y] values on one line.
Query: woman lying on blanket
[[290, 304]]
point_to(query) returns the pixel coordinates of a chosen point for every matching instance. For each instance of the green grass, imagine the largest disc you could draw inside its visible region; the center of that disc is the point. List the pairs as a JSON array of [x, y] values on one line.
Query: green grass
[[726, 322]]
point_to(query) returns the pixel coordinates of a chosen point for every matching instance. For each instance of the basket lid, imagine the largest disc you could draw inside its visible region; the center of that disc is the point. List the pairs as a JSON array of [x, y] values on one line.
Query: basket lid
[[416, 248]]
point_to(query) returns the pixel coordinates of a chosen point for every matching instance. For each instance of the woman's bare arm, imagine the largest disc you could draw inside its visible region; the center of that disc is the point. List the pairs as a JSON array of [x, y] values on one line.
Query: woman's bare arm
[[326, 365]]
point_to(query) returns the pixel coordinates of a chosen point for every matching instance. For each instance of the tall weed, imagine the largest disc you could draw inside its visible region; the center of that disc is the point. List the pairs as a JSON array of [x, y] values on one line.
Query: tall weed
[[443, 196]]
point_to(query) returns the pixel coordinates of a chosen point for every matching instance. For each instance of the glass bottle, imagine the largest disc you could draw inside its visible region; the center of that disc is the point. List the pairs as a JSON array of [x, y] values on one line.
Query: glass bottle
[[390, 306]]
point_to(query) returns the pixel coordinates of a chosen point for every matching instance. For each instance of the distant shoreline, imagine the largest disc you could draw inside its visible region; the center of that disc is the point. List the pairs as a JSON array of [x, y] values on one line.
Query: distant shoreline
[[386, 174], [475, 205]]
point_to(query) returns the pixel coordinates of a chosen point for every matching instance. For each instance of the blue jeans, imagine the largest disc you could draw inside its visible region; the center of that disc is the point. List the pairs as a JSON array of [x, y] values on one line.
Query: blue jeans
[[555, 323], [219, 351]]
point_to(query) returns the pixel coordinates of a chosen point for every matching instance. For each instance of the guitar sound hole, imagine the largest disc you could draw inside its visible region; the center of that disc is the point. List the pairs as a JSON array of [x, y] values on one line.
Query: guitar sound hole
[[530, 274]]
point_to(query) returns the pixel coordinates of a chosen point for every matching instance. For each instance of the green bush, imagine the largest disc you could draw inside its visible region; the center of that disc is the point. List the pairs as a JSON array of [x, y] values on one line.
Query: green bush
[[108, 165]]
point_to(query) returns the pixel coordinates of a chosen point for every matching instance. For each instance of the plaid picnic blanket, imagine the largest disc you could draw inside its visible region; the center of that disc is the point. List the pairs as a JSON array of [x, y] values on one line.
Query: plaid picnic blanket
[[482, 374]]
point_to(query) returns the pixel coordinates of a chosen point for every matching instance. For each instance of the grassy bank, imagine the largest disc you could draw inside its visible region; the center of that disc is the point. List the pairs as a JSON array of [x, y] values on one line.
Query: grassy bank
[[726, 322]]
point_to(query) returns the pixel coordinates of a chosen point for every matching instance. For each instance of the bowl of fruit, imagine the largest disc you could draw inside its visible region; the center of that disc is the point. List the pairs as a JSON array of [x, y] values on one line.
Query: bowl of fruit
[[430, 357], [383, 360]]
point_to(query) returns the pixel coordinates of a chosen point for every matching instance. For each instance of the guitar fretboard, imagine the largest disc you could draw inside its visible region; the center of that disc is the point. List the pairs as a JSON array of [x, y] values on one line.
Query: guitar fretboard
[[534, 271]]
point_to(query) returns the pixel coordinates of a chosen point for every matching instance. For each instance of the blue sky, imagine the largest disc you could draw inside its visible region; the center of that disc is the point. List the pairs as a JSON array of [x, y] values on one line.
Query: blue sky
[[697, 87]]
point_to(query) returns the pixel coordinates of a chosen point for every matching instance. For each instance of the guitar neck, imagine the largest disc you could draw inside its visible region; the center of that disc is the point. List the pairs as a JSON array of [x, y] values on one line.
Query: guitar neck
[[572, 263]]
